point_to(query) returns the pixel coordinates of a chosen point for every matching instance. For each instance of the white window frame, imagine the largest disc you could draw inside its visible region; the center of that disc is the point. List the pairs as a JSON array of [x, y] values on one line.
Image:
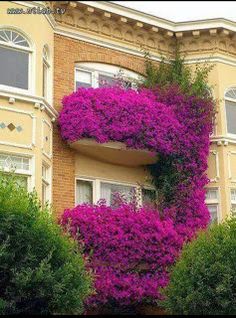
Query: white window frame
[[215, 202], [232, 100], [46, 62], [96, 185], [31, 84], [47, 182], [232, 202], [97, 69], [21, 172]]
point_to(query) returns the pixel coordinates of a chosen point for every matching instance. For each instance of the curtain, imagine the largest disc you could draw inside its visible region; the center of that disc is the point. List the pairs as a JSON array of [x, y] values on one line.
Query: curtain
[[84, 192]]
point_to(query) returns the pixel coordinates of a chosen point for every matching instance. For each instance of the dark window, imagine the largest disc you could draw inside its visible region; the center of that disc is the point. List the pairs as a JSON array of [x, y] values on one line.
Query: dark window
[[14, 67], [231, 116]]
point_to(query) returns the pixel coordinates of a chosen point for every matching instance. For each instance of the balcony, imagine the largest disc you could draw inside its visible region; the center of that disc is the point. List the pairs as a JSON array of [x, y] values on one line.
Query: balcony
[[113, 152]]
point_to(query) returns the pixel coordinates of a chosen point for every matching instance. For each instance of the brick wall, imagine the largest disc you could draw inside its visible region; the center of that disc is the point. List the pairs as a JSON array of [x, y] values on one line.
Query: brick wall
[[66, 53]]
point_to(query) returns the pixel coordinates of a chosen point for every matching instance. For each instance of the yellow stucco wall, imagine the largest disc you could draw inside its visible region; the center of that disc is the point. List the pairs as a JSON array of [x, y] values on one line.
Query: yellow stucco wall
[[27, 108], [39, 32]]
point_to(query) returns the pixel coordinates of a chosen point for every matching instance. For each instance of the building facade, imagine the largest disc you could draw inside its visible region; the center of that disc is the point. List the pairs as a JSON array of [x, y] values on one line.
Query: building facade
[[44, 57]]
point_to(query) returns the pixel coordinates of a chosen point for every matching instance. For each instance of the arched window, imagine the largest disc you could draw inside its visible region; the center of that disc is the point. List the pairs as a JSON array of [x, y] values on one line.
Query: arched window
[[46, 67], [230, 107], [100, 75], [14, 59]]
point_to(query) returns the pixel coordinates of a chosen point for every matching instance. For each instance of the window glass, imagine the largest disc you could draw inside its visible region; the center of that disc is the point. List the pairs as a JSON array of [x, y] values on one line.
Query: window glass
[[14, 66], [105, 80], [12, 37], [45, 184], [83, 79], [231, 116], [213, 208], [45, 80], [109, 192], [84, 192], [14, 162], [233, 195], [212, 194]]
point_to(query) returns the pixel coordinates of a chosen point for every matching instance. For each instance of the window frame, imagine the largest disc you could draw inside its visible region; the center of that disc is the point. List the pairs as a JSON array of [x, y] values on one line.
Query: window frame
[[46, 63], [90, 68], [47, 182], [21, 172], [96, 187], [232, 202], [216, 202], [19, 48], [232, 100]]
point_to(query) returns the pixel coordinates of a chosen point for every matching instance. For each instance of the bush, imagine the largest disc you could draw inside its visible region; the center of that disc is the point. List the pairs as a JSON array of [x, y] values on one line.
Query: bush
[[129, 250], [41, 270], [203, 281]]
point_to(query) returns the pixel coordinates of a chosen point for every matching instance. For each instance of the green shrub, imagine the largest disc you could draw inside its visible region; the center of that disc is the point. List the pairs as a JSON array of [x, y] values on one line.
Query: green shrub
[[41, 270], [203, 281]]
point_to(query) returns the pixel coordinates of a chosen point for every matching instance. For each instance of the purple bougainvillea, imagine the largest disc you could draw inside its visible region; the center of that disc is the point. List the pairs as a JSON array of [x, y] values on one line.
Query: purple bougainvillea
[[130, 251]]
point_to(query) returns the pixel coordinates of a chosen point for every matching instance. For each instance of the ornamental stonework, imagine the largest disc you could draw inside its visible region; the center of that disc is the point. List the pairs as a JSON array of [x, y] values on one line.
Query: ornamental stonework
[[95, 23]]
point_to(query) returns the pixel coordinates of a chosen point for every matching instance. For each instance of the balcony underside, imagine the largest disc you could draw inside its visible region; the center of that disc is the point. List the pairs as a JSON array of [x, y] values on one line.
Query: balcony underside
[[113, 152]]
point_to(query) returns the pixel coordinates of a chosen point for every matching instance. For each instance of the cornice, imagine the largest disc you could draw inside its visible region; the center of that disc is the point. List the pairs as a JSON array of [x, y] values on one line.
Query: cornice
[[39, 102], [107, 24]]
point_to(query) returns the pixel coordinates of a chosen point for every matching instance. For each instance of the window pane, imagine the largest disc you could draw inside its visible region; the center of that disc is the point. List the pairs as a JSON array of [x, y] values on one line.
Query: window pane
[[213, 212], [14, 162], [212, 194], [231, 116], [83, 79], [44, 193], [84, 192], [109, 192], [233, 195], [148, 197], [45, 80], [80, 84], [105, 80], [14, 68]]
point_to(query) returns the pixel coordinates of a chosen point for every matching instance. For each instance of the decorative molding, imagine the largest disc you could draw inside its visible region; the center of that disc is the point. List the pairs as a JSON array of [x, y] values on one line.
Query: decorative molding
[[229, 156], [217, 176], [31, 115], [222, 140], [48, 155], [36, 100]]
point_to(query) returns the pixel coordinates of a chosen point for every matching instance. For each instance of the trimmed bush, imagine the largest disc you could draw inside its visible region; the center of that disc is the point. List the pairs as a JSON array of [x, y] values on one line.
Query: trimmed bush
[[41, 269], [203, 281]]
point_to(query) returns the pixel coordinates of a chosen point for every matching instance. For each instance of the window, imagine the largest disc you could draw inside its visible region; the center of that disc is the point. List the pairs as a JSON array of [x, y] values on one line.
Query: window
[[101, 75], [45, 184], [84, 191], [17, 164], [233, 201], [45, 72], [14, 59], [212, 202], [110, 190], [83, 79], [91, 191], [230, 107]]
